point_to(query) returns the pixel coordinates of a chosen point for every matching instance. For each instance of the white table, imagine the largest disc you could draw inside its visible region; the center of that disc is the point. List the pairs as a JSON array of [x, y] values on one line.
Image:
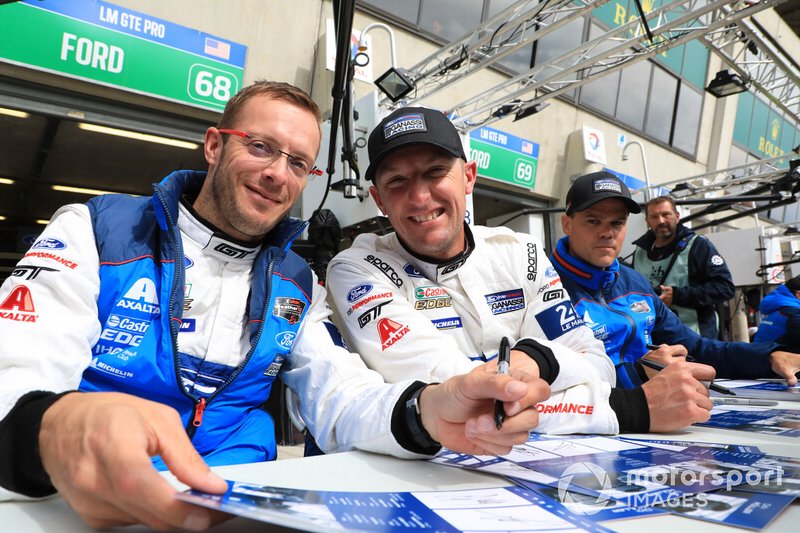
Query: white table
[[364, 472]]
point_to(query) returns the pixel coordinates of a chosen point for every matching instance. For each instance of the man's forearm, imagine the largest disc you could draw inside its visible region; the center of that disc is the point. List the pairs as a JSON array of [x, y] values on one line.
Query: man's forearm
[[21, 470]]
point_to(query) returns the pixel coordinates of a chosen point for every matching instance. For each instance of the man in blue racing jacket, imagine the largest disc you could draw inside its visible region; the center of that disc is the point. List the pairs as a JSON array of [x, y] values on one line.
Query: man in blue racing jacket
[[781, 310], [619, 304], [142, 329]]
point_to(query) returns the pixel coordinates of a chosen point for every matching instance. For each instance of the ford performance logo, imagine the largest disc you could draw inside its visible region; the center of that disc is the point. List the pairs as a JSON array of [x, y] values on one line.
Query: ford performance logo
[[358, 291], [49, 244]]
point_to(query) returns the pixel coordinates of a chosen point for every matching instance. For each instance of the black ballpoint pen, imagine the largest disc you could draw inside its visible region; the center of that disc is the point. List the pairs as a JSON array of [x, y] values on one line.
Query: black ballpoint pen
[[658, 366], [503, 361]]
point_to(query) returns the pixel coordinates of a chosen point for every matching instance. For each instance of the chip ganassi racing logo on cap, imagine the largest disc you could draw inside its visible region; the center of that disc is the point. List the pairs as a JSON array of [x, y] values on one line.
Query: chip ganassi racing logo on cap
[[605, 184], [390, 332], [18, 305], [408, 123]]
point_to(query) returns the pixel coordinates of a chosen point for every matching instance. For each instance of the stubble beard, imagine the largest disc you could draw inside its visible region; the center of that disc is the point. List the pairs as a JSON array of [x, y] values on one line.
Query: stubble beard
[[224, 193]]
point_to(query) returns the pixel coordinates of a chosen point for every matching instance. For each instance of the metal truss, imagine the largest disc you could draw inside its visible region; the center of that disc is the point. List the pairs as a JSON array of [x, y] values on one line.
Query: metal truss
[[514, 27], [755, 172], [672, 24], [745, 49]]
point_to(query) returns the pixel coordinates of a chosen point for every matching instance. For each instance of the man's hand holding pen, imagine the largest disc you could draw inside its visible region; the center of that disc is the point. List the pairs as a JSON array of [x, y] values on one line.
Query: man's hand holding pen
[[664, 354]]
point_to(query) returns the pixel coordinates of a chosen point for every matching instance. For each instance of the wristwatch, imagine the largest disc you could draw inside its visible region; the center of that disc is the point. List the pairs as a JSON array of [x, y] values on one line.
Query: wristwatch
[[419, 435]]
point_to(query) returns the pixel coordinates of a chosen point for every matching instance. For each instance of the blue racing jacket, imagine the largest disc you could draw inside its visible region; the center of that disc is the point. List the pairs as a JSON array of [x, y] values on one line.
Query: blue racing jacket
[[622, 310], [781, 322], [140, 306]]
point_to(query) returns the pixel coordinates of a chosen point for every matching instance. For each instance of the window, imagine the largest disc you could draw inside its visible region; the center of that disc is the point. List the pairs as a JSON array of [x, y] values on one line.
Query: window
[[687, 119], [449, 19], [601, 94], [661, 107], [632, 96]]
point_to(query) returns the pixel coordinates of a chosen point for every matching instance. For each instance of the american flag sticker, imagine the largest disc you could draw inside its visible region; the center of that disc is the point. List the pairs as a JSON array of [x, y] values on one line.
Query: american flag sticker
[[527, 147], [217, 48]]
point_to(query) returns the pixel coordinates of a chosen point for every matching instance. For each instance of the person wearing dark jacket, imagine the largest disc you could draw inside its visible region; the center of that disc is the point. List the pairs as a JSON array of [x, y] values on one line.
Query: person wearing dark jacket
[[685, 269], [781, 310], [619, 304]]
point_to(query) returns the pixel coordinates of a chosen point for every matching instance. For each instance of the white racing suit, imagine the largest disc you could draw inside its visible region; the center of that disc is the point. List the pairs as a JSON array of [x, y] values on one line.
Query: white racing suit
[[413, 319]]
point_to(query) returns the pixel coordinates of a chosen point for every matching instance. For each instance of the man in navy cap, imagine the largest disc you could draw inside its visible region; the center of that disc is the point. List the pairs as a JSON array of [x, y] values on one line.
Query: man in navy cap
[[619, 304]]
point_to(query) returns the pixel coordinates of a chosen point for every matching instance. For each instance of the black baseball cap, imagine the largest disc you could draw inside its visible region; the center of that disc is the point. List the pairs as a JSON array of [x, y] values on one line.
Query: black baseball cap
[[411, 125], [589, 189], [793, 284]]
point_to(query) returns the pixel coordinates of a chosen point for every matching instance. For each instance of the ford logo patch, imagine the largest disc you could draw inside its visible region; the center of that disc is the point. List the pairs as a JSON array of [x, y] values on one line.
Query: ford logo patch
[[285, 339], [358, 291], [49, 244]]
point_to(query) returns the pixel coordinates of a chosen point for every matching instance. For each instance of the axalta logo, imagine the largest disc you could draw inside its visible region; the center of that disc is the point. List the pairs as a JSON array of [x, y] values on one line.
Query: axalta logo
[[48, 244], [358, 291], [142, 296], [423, 293], [384, 267], [18, 305], [390, 332], [531, 261]]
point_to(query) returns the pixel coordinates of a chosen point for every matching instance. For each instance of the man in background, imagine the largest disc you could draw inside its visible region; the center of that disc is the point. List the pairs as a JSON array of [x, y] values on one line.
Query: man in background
[[781, 310], [620, 306], [685, 269]]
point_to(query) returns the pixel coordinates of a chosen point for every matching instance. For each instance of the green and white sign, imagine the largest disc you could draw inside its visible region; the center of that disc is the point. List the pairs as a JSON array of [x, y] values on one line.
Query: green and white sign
[[106, 44], [504, 157]]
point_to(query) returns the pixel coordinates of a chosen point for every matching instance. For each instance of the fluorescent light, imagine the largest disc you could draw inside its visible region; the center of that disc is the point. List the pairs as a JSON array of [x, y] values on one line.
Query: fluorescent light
[[13, 113], [42, 221], [80, 190], [6, 181], [138, 136]]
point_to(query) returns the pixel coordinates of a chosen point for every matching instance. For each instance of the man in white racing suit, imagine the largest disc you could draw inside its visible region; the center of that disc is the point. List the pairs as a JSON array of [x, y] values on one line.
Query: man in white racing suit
[[140, 331], [434, 298]]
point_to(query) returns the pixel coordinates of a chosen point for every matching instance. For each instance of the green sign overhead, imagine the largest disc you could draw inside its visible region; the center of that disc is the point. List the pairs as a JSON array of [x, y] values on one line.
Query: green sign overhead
[[504, 157], [103, 43]]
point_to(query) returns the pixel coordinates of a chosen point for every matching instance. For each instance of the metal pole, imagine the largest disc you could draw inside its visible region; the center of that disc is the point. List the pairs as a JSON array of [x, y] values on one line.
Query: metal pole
[[644, 164]]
